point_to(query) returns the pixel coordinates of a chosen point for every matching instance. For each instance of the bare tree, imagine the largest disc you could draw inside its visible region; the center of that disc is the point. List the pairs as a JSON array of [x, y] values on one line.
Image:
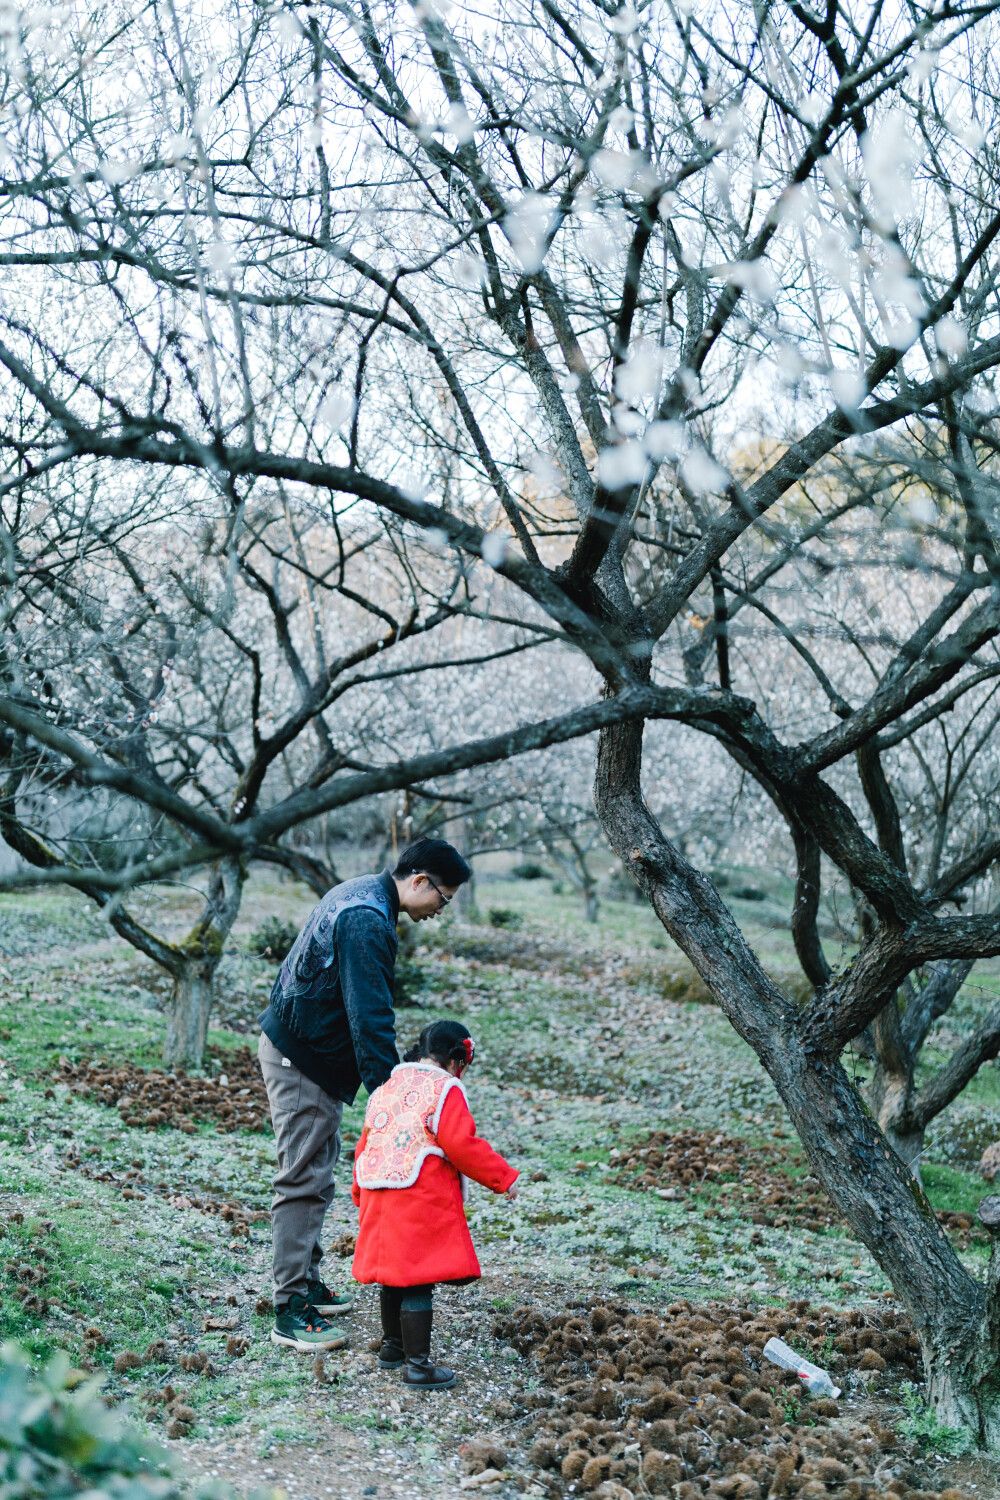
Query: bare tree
[[947, 793], [651, 320], [208, 670]]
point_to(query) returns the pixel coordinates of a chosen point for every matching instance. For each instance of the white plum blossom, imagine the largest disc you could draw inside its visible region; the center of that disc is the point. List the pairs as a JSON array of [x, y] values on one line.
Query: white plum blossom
[[598, 244], [923, 510], [834, 256], [629, 422], [547, 473], [664, 440], [470, 271], [528, 226], [789, 363], [457, 123], [494, 549], [797, 203], [621, 119], [219, 256], [615, 169], [621, 464], [703, 475], [922, 66], [336, 410], [895, 288], [625, 22], [971, 133], [812, 108], [755, 277], [951, 337], [890, 152], [288, 27], [640, 377], [116, 172], [178, 146], [848, 388]]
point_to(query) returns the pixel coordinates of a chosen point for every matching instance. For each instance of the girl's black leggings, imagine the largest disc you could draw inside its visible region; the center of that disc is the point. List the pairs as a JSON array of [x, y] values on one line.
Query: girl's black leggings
[[414, 1298]]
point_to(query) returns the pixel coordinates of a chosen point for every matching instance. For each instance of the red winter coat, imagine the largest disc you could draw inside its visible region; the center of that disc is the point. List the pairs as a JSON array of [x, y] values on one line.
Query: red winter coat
[[416, 1235]]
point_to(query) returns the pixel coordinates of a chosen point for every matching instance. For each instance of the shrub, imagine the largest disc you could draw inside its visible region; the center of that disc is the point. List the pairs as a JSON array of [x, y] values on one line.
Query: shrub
[[621, 887], [748, 893], [409, 981], [529, 870], [58, 1440], [273, 939], [502, 916]]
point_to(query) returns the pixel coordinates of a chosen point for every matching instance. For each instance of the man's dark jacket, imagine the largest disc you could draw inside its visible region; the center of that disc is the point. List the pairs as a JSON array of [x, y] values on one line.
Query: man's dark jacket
[[331, 1005]]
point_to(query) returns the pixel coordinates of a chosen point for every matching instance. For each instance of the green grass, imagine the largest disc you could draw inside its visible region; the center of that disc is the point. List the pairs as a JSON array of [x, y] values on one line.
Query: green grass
[[951, 1190]]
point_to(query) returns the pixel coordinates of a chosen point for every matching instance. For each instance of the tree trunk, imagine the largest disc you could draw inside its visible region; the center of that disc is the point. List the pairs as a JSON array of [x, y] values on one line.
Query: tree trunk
[[591, 904], [890, 1096], [188, 1014], [955, 1317], [194, 966], [466, 899], [890, 1090]]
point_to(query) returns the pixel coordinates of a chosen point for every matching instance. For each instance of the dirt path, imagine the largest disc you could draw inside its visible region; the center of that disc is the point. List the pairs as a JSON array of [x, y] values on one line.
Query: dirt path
[[370, 1436]]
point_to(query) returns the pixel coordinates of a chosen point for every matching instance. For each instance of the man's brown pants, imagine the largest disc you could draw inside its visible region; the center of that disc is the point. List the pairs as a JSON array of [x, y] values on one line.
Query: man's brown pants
[[307, 1136]]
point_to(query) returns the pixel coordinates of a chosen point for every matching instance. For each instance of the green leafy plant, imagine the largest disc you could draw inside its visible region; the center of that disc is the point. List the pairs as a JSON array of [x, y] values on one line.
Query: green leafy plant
[[58, 1439], [822, 1356], [273, 939], [502, 916], [790, 1403], [922, 1426], [530, 869]]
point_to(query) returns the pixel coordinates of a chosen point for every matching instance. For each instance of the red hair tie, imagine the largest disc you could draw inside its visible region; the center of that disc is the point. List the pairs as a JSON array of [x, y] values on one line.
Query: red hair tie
[[469, 1048]]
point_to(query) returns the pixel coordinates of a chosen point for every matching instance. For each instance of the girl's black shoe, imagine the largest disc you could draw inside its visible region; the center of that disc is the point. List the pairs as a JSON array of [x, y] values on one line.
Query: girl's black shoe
[[419, 1372], [391, 1354]]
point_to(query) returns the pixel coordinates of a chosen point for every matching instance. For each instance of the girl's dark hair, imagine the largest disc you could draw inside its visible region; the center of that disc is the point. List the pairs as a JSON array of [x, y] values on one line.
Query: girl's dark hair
[[433, 857], [441, 1042]]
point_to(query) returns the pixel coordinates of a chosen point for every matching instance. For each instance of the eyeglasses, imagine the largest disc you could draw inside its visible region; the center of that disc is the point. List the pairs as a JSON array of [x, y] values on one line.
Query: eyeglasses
[[445, 900]]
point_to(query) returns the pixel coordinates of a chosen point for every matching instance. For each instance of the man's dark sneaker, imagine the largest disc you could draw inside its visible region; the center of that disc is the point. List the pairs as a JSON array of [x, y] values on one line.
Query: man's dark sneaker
[[298, 1325], [327, 1302]]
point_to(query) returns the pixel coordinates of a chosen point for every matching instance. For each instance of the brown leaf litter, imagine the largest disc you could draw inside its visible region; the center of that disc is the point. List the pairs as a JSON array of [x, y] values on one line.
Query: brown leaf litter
[[685, 1405], [757, 1179], [235, 1098]]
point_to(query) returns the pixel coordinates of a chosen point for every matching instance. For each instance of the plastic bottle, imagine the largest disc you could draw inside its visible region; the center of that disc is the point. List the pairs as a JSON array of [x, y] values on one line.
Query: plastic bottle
[[816, 1381]]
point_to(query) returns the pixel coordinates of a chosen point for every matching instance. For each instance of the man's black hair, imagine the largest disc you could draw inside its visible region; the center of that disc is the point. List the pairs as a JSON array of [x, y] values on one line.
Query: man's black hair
[[441, 1042], [434, 857]]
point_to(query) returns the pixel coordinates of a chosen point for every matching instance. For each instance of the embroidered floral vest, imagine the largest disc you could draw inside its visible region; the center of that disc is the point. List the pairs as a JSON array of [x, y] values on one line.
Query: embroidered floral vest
[[402, 1119]]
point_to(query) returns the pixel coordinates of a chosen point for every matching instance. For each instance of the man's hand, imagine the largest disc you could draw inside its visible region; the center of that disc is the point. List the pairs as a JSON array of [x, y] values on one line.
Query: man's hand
[[513, 1190]]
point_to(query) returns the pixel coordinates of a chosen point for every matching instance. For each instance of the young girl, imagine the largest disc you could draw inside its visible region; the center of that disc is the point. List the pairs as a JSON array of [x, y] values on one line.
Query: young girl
[[418, 1142]]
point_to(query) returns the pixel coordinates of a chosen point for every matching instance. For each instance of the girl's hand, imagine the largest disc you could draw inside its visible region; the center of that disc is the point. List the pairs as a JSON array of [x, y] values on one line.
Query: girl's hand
[[513, 1190]]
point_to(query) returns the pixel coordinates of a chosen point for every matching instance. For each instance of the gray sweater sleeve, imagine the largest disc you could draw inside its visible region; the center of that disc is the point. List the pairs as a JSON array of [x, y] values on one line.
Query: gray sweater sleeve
[[366, 960]]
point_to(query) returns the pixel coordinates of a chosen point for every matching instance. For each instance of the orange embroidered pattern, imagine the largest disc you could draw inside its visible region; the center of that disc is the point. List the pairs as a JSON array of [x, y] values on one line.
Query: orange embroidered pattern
[[401, 1120]]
